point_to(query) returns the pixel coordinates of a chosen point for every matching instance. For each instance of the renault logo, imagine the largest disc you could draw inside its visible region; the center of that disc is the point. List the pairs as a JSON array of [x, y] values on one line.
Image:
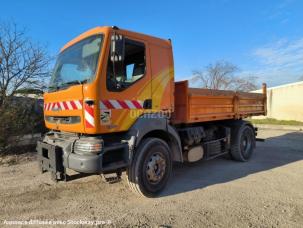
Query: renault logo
[[56, 108]]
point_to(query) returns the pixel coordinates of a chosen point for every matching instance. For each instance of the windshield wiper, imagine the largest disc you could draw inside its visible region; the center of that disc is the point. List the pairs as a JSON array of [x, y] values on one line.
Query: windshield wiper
[[63, 85], [53, 88], [74, 82]]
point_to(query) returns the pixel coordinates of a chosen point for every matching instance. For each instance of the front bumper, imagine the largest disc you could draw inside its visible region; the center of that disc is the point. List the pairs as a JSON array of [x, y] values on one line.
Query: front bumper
[[53, 159]]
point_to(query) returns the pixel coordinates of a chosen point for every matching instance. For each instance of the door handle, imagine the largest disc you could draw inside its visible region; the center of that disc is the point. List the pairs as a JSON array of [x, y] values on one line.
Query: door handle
[[147, 104], [89, 102]]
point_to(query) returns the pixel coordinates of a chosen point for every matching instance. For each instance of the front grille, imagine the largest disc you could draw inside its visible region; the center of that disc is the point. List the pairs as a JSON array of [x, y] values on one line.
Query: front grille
[[63, 119]]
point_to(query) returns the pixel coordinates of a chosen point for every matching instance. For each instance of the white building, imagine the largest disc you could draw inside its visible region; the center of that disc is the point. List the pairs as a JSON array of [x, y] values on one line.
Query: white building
[[285, 102]]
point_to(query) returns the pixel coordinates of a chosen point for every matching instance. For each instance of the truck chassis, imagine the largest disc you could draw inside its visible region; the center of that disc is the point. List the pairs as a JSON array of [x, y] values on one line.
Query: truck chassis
[[128, 151]]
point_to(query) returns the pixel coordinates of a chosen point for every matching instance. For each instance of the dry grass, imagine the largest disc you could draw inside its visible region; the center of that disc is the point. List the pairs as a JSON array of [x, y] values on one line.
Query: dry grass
[[276, 122]]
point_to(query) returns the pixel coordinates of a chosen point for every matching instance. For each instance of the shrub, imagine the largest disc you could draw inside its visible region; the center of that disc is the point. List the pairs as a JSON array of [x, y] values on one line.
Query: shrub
[[19, 117]]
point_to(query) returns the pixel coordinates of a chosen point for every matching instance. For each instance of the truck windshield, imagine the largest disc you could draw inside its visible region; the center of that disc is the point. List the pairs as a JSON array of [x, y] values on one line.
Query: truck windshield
[[77, 64]]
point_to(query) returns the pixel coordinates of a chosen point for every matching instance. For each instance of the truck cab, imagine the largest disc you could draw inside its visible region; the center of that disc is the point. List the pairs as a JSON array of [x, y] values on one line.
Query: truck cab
[[95, 89], [113, 106]]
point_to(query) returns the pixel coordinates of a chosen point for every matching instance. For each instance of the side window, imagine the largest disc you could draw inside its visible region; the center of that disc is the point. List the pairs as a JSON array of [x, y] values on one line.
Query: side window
[[121, 76]]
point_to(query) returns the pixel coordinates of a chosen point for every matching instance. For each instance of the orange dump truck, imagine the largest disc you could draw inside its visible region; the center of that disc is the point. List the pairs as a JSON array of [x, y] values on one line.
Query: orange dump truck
[[113, 106]]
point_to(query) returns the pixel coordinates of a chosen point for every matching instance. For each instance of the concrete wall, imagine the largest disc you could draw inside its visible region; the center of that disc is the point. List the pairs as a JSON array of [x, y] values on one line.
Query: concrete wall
[[285, 102]]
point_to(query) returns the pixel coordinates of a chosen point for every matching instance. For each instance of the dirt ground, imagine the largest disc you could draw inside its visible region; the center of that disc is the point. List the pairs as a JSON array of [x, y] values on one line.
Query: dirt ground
[[264, 192]]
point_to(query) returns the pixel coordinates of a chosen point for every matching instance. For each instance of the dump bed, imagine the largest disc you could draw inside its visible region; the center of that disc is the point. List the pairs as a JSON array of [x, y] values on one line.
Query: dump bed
[[200, 105]]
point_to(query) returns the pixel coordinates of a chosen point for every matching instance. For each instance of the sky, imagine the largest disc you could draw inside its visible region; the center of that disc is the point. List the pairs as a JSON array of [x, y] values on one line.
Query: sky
[[263, 38]]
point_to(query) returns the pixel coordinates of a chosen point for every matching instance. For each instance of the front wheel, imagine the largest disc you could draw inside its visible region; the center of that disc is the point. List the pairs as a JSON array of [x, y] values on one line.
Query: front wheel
[[151, 167]]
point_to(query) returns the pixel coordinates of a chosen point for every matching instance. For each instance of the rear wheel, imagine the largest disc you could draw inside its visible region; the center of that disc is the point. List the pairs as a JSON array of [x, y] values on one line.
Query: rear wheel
[[242, 142], [151, 167]]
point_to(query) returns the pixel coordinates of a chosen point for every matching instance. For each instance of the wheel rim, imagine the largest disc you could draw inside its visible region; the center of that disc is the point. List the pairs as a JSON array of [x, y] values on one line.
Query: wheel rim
[[155, 168]]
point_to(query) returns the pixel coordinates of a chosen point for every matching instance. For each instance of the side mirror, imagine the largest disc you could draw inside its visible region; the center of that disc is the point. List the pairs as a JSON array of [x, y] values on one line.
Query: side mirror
[[117, 48]]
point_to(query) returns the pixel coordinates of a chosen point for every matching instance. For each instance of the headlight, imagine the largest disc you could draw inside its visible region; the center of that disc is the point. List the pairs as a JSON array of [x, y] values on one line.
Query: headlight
[[88, 146]]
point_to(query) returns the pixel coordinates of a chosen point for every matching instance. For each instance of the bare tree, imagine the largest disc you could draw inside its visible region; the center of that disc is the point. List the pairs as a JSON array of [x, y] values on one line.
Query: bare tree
[[23, 63], [222, 75]]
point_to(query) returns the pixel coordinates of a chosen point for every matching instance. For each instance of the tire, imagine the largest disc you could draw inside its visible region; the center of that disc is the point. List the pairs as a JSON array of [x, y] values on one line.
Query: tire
[[151, 167], [242, 142]]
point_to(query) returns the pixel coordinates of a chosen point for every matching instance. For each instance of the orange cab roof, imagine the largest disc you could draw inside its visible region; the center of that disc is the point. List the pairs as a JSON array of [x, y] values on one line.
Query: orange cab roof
[[107, 29]]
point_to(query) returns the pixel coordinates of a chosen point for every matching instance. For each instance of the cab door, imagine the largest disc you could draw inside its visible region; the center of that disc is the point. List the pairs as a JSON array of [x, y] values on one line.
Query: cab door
[[126, 86]]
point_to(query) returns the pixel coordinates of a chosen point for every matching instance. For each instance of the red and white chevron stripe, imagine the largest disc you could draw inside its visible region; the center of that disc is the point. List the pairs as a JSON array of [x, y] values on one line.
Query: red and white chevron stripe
[[63, 105], [89, 116], [121, 104]]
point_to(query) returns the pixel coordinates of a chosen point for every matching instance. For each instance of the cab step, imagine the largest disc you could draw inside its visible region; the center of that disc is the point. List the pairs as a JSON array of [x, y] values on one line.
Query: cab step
[[112, 178]]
